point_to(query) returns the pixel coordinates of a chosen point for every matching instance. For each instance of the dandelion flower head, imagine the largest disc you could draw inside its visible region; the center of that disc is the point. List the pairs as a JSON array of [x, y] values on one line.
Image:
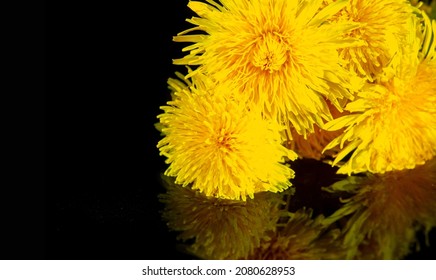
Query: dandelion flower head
[[381, 30], [281, 55], [214, 144], [392, 123]]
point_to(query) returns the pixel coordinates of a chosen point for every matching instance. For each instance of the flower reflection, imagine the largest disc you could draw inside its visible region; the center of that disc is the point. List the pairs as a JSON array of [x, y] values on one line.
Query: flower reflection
[[220, 228]]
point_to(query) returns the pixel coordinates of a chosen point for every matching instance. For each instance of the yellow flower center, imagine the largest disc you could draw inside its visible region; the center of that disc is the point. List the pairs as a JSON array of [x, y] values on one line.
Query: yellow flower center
[[270, 53], [394, 98], [223, 142]]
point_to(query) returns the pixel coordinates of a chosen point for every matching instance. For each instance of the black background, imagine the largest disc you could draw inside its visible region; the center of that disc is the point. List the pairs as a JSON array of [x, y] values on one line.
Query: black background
[[103, 162], [106, 67]]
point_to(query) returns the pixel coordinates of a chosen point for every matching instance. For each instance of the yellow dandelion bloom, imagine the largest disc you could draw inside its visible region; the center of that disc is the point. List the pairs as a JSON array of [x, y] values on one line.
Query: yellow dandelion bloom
[[219, 228], [280, 55], [392, 124], [387, 211], [313, 144], [217, 146], [383, 30], [300, 238]]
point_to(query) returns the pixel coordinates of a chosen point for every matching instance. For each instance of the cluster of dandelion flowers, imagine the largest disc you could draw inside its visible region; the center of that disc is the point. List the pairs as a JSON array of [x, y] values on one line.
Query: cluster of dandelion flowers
[[387, 211], [392, 123], [281, 55], [214, 144], [383, 31], [300, 237], [219, 228]]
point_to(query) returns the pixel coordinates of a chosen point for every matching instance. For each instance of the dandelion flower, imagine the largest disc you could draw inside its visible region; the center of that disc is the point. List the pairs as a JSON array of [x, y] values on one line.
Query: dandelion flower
[[217, 146], [386, 211], [300, 238], [280, 55], [392, 123], [383, 30], [219, 228]]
